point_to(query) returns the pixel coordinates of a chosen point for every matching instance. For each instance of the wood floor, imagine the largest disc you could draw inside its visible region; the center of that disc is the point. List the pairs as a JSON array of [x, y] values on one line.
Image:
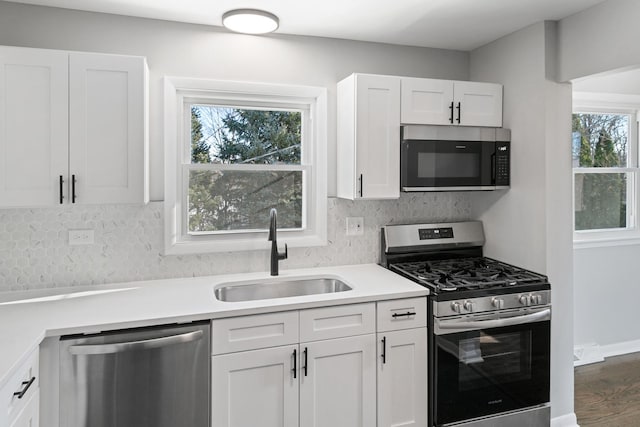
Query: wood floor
[[608, 393]]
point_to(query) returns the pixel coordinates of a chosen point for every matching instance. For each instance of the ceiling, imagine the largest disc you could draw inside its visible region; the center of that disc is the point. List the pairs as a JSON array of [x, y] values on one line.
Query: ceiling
[[448, 24]]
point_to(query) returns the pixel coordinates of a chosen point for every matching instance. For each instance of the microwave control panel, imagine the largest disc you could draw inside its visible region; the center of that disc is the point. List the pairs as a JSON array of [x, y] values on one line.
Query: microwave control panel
[[503, 163]]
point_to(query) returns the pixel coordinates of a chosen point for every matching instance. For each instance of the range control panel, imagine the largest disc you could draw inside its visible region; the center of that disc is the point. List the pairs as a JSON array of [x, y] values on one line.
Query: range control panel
[[435, 233]]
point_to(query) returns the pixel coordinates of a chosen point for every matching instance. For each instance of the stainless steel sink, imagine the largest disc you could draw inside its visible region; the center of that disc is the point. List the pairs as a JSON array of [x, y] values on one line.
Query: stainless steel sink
[[279, 289]]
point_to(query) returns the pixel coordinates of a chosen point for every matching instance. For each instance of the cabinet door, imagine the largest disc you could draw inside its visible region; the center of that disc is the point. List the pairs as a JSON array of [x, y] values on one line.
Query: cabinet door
[[480, 104], [255, 388], [426, 101], [33, 126], [338, 388], [377, 137], [108, 128], [30, 415], [402, 378]]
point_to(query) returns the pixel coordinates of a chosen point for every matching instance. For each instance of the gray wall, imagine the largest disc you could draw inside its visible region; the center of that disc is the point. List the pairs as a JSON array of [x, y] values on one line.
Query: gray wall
[[34, 252], [205, 52], [599, 39], [603, 39], [530, 225]]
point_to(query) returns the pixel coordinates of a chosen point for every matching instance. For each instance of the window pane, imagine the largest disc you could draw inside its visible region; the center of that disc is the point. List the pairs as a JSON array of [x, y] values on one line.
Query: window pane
[[600, 200], [228, 135], [241, 200], [600, 140]]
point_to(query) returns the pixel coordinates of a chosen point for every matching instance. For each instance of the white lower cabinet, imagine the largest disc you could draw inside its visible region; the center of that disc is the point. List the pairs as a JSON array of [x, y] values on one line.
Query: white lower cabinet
[[337, 383], [29, 416], [322, 371], [255, 388], [20, 396], [402, 378]]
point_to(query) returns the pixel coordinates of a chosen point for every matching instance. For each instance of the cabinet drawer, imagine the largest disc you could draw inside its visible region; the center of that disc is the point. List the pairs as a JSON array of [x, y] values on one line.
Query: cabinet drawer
[[10, 404], [253, 332], [336, 322], [402, 314]]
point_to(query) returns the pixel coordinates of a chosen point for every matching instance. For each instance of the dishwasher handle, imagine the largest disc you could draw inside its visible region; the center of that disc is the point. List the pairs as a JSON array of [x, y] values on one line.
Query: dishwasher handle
[[90, 349]]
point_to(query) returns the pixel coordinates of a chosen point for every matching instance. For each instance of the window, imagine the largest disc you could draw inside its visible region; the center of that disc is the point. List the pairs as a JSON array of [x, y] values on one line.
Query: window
[[604, 151], [234, 151]]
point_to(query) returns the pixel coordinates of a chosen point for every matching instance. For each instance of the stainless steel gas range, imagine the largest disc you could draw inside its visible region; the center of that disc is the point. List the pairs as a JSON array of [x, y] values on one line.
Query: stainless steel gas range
[[489, 326]]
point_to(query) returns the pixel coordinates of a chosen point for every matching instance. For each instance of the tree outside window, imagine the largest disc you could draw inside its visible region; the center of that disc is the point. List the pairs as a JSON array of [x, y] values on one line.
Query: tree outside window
[[600, 156], [243, 163]]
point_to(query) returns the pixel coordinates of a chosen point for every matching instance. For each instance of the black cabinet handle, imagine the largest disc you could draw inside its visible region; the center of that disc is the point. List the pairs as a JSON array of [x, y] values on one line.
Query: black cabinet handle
[[361, 179], [295, 363], [384, 350], [305, 361], [73, 188], [408, 313], [61, 181], [459, 111], [451, 111], [26, 385]]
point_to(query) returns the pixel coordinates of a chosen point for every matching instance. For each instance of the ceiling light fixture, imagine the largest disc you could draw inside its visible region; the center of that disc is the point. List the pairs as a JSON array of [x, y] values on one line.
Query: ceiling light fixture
[[250, 21]]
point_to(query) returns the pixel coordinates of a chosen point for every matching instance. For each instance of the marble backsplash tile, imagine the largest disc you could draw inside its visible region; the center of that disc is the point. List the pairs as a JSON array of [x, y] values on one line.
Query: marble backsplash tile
[[35, 253]]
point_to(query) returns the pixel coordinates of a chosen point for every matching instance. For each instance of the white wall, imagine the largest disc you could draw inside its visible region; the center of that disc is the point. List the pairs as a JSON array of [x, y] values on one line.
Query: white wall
[[206, 52], [530, 224]]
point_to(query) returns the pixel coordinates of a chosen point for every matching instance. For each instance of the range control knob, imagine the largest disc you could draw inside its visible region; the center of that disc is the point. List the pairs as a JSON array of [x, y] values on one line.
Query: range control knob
[[536, 299], [525, 300], [468, 305], [456, 306], [497, 303]]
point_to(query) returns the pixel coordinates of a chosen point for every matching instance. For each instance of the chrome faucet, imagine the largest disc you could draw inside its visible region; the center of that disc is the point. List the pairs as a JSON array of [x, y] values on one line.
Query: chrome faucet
[[275, 255]]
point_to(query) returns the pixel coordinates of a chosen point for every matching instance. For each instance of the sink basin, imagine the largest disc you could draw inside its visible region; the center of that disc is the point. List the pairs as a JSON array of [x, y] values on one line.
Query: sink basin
[[279, 289]]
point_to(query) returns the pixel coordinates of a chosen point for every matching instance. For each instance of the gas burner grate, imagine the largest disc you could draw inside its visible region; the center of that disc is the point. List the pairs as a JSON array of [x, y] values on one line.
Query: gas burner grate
[[467, 274]]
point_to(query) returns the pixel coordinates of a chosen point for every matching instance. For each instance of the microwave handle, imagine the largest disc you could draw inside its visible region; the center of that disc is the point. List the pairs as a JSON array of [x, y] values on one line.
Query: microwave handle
[[494, 178]]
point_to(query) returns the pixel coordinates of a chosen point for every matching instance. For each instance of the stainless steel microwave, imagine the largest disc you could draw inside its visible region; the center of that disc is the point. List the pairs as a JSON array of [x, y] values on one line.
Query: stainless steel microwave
[[454, 158]]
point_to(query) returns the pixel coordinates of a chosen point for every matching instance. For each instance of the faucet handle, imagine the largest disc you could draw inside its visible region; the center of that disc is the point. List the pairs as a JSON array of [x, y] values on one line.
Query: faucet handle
[[285, 254]]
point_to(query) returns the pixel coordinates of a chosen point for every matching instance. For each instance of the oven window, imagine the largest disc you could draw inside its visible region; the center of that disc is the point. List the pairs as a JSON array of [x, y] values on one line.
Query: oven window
[[503, 357], [448, 165], [483, 372]]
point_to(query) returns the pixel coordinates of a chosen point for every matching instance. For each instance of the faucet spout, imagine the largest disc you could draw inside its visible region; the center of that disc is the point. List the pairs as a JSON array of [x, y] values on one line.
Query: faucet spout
[[273, 227], [273, 231]]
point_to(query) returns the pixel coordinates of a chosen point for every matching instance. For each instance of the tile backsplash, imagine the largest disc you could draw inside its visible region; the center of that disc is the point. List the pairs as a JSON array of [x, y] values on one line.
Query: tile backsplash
[[35, 251]]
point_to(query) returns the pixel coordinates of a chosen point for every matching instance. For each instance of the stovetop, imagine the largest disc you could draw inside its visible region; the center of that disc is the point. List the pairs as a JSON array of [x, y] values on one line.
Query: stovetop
[[467, 274], [447, 259]]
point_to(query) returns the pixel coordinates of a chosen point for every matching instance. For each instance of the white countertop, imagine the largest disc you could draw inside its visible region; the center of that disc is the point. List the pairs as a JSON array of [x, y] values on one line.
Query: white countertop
[[26, 321]]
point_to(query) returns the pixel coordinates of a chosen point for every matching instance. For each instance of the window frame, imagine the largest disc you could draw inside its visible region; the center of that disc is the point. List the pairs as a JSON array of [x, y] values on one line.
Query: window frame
[[179, 94], [601, 103]]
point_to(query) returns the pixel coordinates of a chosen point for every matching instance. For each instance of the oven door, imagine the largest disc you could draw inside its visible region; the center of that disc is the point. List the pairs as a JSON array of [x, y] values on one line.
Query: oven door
[[483, 371], [447, 165]]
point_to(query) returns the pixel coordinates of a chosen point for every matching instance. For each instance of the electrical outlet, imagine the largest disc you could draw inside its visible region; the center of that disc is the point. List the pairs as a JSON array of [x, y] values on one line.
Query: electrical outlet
[[80, 237], [355, 226]]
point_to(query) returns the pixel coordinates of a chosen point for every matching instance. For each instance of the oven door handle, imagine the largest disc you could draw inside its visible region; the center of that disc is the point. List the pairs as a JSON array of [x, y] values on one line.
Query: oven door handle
[[448, 326]]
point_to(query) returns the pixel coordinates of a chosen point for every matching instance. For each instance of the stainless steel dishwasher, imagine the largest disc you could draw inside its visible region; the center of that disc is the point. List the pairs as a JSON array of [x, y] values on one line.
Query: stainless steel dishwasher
[[148, 377]]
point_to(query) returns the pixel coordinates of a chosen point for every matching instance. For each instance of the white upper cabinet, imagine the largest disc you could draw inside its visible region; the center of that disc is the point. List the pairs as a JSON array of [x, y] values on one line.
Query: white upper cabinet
[[446, 102], [368, 125], [73, 128], [33, 126], [107, 133], [426, 101]]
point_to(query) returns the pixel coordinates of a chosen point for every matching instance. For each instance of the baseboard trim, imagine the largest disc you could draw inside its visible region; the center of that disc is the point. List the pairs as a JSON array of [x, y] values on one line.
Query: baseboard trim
[[593, 353], [568, 420], [621, 348]]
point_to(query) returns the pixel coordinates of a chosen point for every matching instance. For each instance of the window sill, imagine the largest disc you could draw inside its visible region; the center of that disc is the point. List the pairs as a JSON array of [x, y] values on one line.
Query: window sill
[[626, 239]]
